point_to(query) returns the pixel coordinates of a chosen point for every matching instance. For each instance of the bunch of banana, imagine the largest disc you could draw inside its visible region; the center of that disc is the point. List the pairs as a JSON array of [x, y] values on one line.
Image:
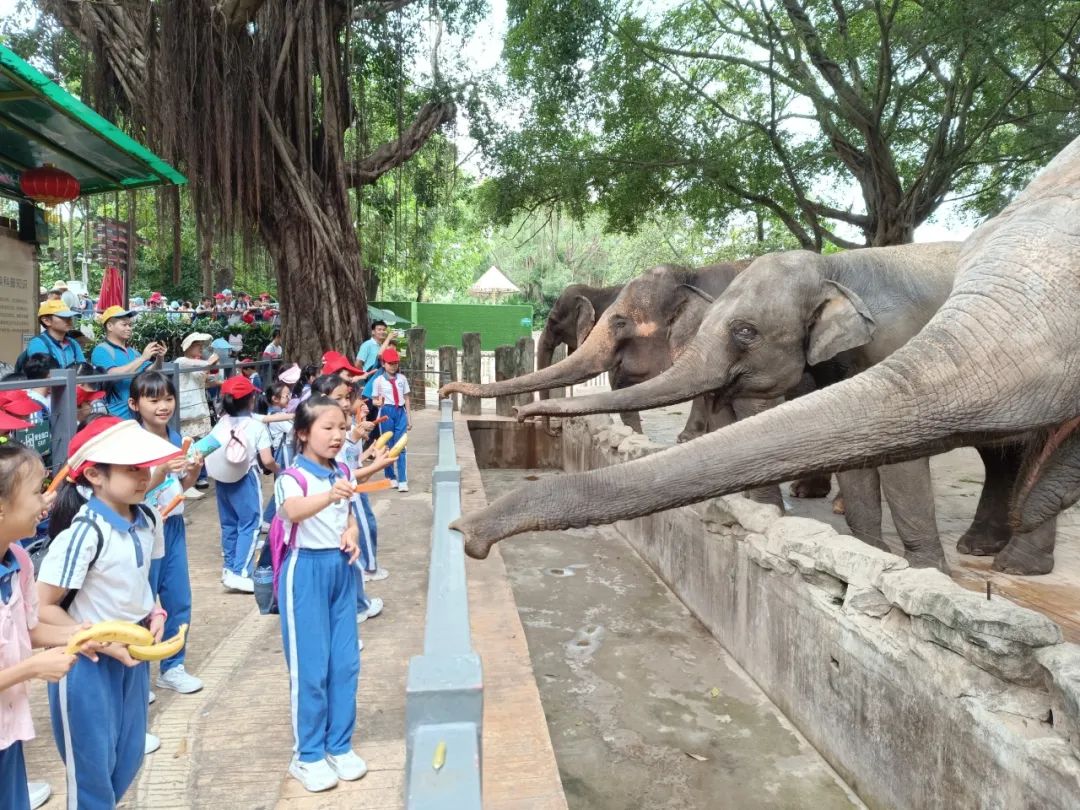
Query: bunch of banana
[[162, 650], [108, 632], [384, 439], [399, 445]]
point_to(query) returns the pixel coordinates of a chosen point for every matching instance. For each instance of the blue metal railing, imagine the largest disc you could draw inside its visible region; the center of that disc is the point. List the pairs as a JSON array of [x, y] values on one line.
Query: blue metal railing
[[444, 695]]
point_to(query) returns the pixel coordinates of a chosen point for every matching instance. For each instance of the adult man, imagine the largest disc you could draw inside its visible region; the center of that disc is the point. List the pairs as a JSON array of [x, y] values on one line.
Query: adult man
[[367, 356], [115, 355], [55, 320], [273, 349]]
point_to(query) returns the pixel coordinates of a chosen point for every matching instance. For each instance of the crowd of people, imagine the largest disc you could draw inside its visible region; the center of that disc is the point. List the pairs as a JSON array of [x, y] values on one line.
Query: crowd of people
[[110, 542]]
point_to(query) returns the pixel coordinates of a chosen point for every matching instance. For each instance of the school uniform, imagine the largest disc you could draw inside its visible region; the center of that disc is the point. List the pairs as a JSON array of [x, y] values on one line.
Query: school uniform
[[169, 577], [393, 390], [317, 602], [98, 710], [349, 455], [18, 616]]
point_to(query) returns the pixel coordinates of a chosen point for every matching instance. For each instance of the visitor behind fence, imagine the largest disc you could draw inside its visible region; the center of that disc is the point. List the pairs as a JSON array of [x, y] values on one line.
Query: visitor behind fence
[[115, 355], [55, 319]]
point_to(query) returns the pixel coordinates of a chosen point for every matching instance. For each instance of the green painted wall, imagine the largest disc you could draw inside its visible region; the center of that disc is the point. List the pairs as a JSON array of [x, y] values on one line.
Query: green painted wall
[[498, 324]]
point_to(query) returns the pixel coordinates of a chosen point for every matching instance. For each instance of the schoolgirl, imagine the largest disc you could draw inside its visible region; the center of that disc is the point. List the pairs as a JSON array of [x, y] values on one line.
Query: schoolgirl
[[317, 599], [97, 568], [390, 391], [21, 506], [277, 401], [153, 402], [230, 450]]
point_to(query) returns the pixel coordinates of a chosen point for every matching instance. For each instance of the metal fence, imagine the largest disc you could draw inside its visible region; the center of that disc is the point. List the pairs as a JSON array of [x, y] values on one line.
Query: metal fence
[[63, 421], [444, 699]]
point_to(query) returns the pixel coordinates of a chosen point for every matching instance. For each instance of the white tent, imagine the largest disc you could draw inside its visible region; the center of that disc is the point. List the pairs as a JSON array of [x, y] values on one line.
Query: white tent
[[493, 284]]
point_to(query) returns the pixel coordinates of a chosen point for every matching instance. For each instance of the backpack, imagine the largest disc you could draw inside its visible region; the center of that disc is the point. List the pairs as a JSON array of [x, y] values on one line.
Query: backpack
[[233, 459], [276, 539], [38, 550]]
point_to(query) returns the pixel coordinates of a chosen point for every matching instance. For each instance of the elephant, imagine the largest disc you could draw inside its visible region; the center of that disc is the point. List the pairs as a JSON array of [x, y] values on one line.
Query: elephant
[[854, 309], [638, 335], [1000, 360]]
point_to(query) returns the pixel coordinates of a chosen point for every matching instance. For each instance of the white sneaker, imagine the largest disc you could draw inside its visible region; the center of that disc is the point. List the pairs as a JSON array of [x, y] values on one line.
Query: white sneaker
[[377, 575], [375, 606], [179, 680], [314, 776], [403, 486], [193, 494], [152, 743], [39, 793], [347, 766], [235, 582], [153, 697], [264, 527]]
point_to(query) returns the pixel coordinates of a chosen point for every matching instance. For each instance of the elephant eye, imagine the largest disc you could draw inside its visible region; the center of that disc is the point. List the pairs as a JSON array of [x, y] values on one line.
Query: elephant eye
[[744, 333]]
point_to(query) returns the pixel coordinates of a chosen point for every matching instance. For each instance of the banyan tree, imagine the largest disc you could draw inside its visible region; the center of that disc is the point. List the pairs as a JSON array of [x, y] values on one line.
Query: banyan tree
[[254, 100]]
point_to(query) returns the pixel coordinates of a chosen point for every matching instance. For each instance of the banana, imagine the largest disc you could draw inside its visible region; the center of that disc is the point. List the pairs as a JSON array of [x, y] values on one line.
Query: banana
[[399, 445], [118, 631], [384, 439], [164, 649]]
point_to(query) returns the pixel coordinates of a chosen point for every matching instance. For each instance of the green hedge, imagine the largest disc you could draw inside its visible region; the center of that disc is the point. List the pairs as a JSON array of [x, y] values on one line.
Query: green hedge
[[158, 326]]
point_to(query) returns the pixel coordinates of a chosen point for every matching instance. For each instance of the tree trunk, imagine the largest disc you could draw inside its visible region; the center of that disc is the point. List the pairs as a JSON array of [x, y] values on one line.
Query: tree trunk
[[417, 371], [470, 370]]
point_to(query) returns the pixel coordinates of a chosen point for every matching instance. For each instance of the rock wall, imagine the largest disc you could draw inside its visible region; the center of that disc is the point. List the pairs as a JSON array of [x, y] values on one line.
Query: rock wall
[[920, 693]]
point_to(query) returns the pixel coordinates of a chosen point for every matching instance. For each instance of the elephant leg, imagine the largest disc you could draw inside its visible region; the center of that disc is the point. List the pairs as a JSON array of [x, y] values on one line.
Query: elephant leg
[[989, 531], [1029, 553], [697, 423], [861, 490], [909, 491], [632, 419], [722, 415]]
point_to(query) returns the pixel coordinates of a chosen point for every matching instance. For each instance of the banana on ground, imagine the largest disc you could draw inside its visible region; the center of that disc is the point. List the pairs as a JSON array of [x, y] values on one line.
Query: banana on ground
[[162, 650], [111, 631]]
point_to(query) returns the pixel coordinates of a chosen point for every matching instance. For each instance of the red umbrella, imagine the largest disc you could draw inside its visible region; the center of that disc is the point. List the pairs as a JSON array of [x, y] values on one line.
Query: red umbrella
[[112, 290]]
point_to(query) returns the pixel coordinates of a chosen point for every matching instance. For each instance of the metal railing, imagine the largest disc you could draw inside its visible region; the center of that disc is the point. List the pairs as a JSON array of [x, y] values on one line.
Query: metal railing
[[444, 694], [63, 418]]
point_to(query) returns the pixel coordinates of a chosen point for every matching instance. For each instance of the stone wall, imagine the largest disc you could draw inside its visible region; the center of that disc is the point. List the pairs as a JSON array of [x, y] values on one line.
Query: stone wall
[[920, 693]]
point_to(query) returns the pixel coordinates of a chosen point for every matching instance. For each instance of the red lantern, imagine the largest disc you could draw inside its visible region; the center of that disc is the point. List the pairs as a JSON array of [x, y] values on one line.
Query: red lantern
[[49, 185]]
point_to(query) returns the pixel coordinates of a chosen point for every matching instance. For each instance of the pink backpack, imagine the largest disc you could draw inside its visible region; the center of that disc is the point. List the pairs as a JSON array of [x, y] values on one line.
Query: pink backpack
[[279, 545]]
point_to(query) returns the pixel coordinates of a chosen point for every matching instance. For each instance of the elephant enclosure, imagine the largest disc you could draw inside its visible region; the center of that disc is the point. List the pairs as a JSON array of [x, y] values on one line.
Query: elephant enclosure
[[917, 692]]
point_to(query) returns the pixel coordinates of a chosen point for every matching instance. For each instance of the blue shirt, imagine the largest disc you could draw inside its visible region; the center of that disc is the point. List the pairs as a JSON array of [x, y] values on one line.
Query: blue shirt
[[109, 356], [368, 357], [67, 353]]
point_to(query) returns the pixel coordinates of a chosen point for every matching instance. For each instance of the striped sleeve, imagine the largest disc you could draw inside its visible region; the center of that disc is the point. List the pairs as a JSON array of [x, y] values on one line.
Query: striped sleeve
[[69, 555]]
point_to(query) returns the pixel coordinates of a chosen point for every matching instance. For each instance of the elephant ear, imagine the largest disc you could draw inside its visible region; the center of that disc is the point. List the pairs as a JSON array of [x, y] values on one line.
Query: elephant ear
[[586, 318], [840, 322], [685, 316]]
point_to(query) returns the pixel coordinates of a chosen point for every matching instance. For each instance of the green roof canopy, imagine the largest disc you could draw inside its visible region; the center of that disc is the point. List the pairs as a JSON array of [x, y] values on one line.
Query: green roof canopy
[[42, 123]]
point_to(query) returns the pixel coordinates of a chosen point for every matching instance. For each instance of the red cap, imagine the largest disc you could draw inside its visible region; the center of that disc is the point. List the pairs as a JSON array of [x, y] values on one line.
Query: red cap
[[9, 422], [219, 296], [109, 440], [238, 386], [390, 355], [247, 317], [18, 403], [155, 296], [82, 396], [333, 362], [268, 314]]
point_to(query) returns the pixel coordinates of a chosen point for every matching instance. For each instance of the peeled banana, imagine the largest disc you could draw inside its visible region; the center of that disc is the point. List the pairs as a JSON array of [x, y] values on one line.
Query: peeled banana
[[399, 445], [110, 631], [384, 439], [162, 650]]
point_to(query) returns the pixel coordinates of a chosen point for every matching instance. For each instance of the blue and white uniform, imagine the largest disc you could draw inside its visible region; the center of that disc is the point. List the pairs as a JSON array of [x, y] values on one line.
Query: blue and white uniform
[[317, 602], [349, 455], [281, 444], [393, 390], [169, 577], [99, 709]]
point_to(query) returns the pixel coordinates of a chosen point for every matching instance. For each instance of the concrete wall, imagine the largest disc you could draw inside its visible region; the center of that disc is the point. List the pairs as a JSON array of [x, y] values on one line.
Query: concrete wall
[[920, 693], [502, 443]]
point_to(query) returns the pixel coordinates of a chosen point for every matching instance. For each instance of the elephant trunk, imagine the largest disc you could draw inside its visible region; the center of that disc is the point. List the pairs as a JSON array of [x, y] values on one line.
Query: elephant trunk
[[689, 377], [886, 414], [586, 362]]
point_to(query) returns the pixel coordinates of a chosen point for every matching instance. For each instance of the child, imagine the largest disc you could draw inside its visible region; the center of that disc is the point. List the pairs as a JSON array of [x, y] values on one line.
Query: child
[[391, 392], [317, 592], [21, 506], [97, 568], [277, 401], [153, 402], [230, 450]]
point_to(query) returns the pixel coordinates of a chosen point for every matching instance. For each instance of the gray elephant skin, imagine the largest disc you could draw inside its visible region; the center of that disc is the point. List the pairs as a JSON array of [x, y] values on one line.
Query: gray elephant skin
[[999, 359]]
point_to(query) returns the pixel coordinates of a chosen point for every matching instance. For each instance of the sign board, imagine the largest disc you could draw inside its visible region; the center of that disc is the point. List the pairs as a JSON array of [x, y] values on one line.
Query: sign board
[[18, 296]]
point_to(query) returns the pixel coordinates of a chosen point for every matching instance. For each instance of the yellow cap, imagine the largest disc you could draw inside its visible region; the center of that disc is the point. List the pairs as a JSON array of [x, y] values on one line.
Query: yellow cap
[[114, 312], [58, 308]]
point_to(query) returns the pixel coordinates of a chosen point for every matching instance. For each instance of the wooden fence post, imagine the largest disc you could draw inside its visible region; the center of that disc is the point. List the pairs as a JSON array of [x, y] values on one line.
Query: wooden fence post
[[557, 356], [417, 366], [506, 363], [526, 351], [448, 369], [470, 370]]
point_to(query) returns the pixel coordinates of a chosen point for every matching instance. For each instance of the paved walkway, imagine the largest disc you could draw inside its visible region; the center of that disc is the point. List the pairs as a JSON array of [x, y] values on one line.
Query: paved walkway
[[229, 745]]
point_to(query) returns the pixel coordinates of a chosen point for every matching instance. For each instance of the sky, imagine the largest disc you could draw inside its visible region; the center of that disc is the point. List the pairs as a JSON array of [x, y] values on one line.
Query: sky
[[481, 51]]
